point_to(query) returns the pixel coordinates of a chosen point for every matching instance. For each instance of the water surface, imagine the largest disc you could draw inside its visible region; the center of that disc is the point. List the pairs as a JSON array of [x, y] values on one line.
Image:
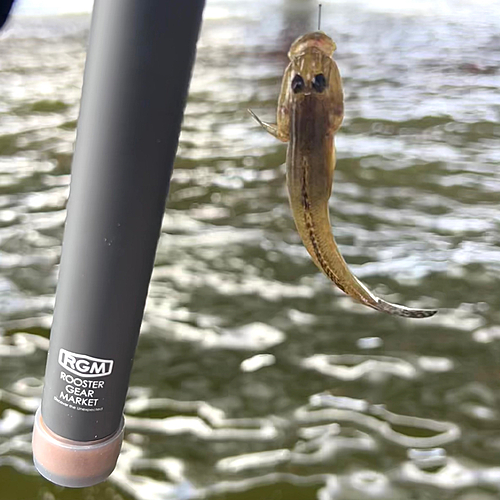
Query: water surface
[[254, 377]]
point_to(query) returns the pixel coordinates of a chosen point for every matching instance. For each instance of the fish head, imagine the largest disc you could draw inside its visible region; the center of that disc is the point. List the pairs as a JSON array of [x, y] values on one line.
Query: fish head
[[315, 75]]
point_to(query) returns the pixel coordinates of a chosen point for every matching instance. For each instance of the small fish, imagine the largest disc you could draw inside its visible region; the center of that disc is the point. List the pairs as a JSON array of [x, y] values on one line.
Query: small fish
[[310, 111]]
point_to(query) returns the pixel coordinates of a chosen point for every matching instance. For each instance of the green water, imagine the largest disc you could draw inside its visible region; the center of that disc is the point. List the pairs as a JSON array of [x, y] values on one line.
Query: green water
[[254, 377]]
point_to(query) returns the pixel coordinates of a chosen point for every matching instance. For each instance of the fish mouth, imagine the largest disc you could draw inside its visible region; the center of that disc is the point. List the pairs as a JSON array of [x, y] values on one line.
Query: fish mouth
[[316, 39]]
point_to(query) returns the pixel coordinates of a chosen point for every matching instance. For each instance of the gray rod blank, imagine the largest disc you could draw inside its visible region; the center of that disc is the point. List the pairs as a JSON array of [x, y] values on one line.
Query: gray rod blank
[[137, 74]]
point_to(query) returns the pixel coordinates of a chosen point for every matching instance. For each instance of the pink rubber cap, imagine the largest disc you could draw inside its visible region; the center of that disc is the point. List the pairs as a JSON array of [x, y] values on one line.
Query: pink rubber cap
[[75, 464]]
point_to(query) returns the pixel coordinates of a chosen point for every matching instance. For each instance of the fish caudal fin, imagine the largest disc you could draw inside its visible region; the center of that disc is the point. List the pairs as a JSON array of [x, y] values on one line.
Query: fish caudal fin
[[397, 310]]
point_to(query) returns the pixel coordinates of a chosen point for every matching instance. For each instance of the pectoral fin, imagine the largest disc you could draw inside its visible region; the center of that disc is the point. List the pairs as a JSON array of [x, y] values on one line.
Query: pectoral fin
[[271, 128]]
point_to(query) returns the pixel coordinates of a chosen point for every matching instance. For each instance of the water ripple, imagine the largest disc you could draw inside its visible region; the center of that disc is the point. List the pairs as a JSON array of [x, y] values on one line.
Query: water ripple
[[255, 377]]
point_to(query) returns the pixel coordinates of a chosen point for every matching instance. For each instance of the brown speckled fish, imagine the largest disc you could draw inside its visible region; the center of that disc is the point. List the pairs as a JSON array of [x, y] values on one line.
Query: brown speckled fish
[[310, 111]]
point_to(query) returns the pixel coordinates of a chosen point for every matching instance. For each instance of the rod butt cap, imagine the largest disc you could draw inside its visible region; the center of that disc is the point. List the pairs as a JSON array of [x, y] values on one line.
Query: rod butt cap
[[74, 464]]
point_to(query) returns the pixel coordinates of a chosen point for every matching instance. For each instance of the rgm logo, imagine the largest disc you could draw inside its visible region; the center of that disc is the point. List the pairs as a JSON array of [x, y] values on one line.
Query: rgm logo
[[83, 365]]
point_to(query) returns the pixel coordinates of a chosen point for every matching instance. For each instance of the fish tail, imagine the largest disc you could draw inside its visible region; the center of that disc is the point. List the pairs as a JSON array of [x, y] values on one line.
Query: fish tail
[[398, 310], [319, 241]]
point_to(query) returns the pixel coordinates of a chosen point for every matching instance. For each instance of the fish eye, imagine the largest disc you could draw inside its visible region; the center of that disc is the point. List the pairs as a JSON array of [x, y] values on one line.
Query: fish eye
[[297, 84], [319, 83]]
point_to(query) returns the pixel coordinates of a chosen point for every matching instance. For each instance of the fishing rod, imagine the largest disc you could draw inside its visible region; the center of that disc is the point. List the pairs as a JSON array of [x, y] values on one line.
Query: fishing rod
[[137, 73]]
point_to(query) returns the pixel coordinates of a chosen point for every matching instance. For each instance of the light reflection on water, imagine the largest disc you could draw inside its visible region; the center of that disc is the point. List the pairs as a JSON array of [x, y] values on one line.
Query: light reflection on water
[[254, 377]]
